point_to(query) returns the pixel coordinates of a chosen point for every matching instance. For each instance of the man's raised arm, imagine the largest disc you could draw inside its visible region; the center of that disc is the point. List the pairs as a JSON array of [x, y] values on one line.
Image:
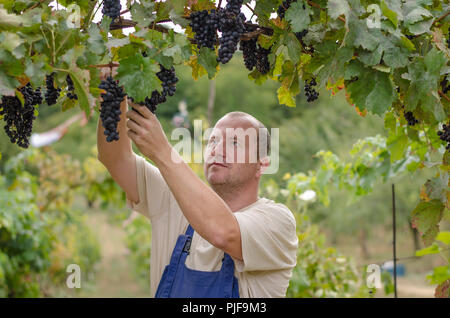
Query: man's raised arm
[[118, 156]]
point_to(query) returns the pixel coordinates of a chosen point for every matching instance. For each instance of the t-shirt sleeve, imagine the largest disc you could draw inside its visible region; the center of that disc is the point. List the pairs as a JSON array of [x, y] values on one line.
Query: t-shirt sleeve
[[154, 193], [268, 237]]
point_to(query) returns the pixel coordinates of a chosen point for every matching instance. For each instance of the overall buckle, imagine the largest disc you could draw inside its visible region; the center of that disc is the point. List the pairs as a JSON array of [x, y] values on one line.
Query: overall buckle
[[187, 245]]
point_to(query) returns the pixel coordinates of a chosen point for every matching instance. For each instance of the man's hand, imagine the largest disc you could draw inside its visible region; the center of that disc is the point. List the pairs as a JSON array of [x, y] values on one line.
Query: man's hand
[[146, 132]]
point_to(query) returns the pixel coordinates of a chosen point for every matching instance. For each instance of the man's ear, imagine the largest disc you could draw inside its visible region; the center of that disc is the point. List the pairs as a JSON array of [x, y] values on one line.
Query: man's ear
[[263, 165]]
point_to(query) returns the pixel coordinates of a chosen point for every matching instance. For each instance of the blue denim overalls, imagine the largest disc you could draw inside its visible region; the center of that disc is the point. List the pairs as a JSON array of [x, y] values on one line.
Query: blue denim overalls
[[178, 281]]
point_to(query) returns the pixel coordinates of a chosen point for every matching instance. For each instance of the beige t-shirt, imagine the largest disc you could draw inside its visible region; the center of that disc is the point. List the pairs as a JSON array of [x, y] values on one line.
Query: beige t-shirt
[[268, 236]]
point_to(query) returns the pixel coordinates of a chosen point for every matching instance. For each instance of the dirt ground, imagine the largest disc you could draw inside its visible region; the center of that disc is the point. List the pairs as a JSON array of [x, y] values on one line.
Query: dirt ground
[[114, 275]]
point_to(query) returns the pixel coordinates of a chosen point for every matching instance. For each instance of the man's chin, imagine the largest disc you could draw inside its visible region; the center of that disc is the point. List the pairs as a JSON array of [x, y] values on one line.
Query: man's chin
[[216, 180]]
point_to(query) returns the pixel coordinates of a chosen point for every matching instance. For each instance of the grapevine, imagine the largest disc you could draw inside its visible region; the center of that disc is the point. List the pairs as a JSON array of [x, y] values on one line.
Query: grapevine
[[231, 24], [410, 118], [111, 8], [262, 60], [444, 134], [310, 92], [205, 25], [19, 118], [169, 79], [52, 93], [110, 107], [70, 89], [249, 51]]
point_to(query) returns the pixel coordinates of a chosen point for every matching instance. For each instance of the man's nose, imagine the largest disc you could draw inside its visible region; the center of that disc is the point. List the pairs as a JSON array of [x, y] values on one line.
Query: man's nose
[[219, 146]]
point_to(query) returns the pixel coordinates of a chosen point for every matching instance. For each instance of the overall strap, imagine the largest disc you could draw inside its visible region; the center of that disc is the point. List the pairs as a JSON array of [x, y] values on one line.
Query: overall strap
[[228, 275], [189, 231], [179, 254], [187, 244]]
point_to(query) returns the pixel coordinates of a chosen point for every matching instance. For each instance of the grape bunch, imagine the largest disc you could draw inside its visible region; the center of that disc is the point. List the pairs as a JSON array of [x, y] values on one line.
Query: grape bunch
[[444, 134], [19, 118], [110, 107], [249, 51], [262, 63], [32, 97], [111, 8], [410, 118], [231, 24], [205, 25], [310, 92], [52, 93], [70, 89], [169, 79]]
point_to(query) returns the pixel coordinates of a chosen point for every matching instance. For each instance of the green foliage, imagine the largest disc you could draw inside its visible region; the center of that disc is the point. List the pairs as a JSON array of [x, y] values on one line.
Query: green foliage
[[321, 271], [138, 242], [24, 244], [41, 233]]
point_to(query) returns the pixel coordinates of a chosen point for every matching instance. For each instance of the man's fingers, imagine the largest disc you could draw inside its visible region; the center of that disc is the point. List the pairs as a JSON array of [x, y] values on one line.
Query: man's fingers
[[134, 126], [143, 110], [137, 117], [132, 135]]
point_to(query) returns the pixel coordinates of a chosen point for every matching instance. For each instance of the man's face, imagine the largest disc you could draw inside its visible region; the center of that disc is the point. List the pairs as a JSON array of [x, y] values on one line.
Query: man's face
[[230, 156]]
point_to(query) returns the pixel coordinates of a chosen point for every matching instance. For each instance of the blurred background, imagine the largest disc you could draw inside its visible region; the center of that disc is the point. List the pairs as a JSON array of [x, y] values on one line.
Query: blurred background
[[59, 206]]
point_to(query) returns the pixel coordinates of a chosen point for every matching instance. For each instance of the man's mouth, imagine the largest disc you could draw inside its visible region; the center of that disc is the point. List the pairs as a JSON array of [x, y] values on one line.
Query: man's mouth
[[218, 164]]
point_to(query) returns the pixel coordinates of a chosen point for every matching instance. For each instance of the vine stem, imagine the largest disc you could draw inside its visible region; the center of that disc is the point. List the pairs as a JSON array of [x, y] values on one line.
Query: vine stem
[[443, 95], [110, 65], [250, 8], [441, 17], [33, 6]]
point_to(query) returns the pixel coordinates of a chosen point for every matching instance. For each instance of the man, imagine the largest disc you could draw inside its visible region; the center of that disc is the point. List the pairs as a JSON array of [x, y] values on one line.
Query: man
[[218, 241]]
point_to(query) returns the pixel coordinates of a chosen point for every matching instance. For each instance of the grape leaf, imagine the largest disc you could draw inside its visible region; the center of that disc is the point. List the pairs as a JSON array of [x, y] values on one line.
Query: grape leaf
[[7, 84], [138, 76], [142, 13], [440, 274], [426, 217], [264, 8], [373, 91], [208, 59], [80, 80], [436, 188], [197, 69], [34, 69], [338, 7], [432, 249], [390, 14], [424, 75], [359, 35], [95, 42], [298, 17], [285, 97]]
